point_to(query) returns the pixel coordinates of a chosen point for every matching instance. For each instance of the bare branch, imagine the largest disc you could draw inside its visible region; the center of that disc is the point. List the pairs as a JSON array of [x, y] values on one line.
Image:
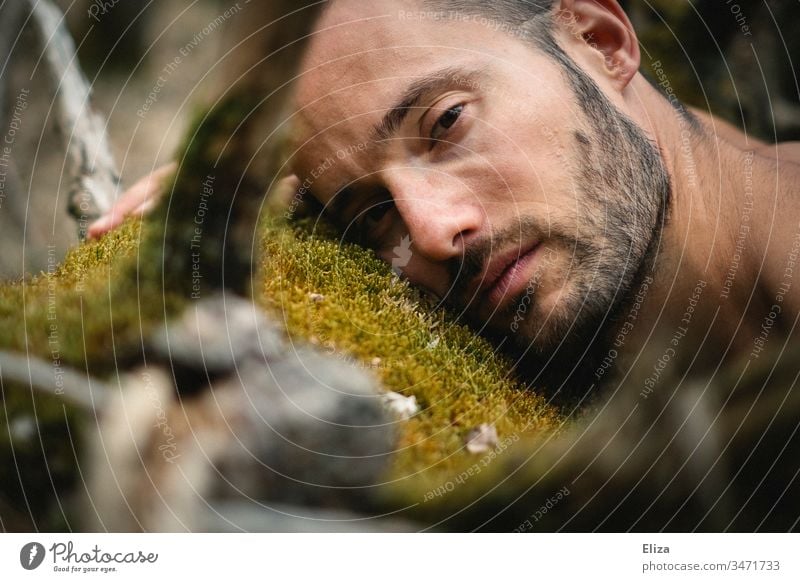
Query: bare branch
[[92, 165], [53, 379]]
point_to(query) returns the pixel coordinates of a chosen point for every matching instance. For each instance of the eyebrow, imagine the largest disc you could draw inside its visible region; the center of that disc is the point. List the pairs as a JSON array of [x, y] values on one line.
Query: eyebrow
[[415, 94]]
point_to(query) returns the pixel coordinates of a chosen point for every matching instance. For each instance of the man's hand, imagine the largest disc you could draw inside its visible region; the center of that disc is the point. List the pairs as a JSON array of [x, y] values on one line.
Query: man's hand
[[136, 201], [140, 198]]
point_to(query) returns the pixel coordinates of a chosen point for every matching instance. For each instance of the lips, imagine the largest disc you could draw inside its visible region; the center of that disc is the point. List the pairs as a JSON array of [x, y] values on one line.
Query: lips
[[504, 274]]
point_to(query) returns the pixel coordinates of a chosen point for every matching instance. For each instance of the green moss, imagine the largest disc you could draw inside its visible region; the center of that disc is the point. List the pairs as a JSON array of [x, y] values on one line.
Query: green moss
[[88, 314], [343, 299], [63, 317], [201, 226], [366, 316], [68, 313]]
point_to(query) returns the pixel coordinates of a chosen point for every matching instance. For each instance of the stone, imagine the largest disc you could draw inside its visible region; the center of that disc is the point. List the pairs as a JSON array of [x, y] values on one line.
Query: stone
[[482, 439], [404, 407], [274, 422]]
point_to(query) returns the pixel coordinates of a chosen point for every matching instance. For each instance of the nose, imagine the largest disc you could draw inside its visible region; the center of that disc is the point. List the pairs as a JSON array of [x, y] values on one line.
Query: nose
[[440, 212]]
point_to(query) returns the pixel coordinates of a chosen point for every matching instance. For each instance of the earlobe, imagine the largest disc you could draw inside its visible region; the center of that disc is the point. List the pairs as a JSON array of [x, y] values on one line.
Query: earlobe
[[602, 26]]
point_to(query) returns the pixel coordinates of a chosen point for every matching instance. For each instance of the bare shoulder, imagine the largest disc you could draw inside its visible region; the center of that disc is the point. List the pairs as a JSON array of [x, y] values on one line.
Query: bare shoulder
[[725, 130], [783, 152], [788, 151]]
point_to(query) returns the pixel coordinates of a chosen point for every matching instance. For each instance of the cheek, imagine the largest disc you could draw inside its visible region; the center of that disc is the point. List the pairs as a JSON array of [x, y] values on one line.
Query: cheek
[[527, 181], [544, 168], [502, 176]]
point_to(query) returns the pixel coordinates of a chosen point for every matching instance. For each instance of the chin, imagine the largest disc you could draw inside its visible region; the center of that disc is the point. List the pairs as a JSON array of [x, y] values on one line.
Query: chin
[[541, 331], [518, 321], [553, 313]]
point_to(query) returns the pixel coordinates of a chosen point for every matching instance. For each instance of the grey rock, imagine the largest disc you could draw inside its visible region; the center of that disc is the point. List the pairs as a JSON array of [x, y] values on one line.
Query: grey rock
[[275, 422], [216, 334]]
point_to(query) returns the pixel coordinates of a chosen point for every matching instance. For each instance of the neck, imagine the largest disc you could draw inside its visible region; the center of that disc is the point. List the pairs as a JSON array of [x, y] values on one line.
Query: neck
[[722, 259]]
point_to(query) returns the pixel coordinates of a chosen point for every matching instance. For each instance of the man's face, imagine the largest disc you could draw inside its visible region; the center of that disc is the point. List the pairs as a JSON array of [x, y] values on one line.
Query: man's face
[[524, 211]]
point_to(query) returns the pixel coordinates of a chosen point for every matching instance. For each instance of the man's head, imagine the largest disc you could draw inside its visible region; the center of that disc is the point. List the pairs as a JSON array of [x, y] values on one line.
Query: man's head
[[496, 138]]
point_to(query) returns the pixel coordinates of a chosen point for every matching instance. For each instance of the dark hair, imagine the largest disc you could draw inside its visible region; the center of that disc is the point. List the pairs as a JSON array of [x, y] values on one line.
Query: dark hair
[[533, 18]]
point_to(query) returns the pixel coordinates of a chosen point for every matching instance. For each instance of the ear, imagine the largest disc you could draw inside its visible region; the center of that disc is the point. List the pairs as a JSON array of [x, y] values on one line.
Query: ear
[[602, 26]]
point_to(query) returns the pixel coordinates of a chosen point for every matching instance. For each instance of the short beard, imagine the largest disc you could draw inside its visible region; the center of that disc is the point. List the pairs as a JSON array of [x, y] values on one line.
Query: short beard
[[611, 255]]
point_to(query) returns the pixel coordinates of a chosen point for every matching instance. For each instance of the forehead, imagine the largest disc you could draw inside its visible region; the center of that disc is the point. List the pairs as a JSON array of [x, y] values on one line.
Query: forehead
[[363, 55]]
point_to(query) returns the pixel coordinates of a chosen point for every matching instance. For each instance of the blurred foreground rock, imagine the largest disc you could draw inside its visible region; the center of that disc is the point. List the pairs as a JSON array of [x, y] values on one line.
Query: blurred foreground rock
[[720, 455], [225, 414]]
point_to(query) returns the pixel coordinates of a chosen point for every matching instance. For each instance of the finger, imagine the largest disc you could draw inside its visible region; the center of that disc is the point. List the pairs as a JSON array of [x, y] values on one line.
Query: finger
[[144, 207], [286, 188], [144, 189], [139, 198]]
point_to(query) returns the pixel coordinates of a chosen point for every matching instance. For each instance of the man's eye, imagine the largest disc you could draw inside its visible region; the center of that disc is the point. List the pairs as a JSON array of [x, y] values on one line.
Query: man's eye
[[446, 121], [372, 217]]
